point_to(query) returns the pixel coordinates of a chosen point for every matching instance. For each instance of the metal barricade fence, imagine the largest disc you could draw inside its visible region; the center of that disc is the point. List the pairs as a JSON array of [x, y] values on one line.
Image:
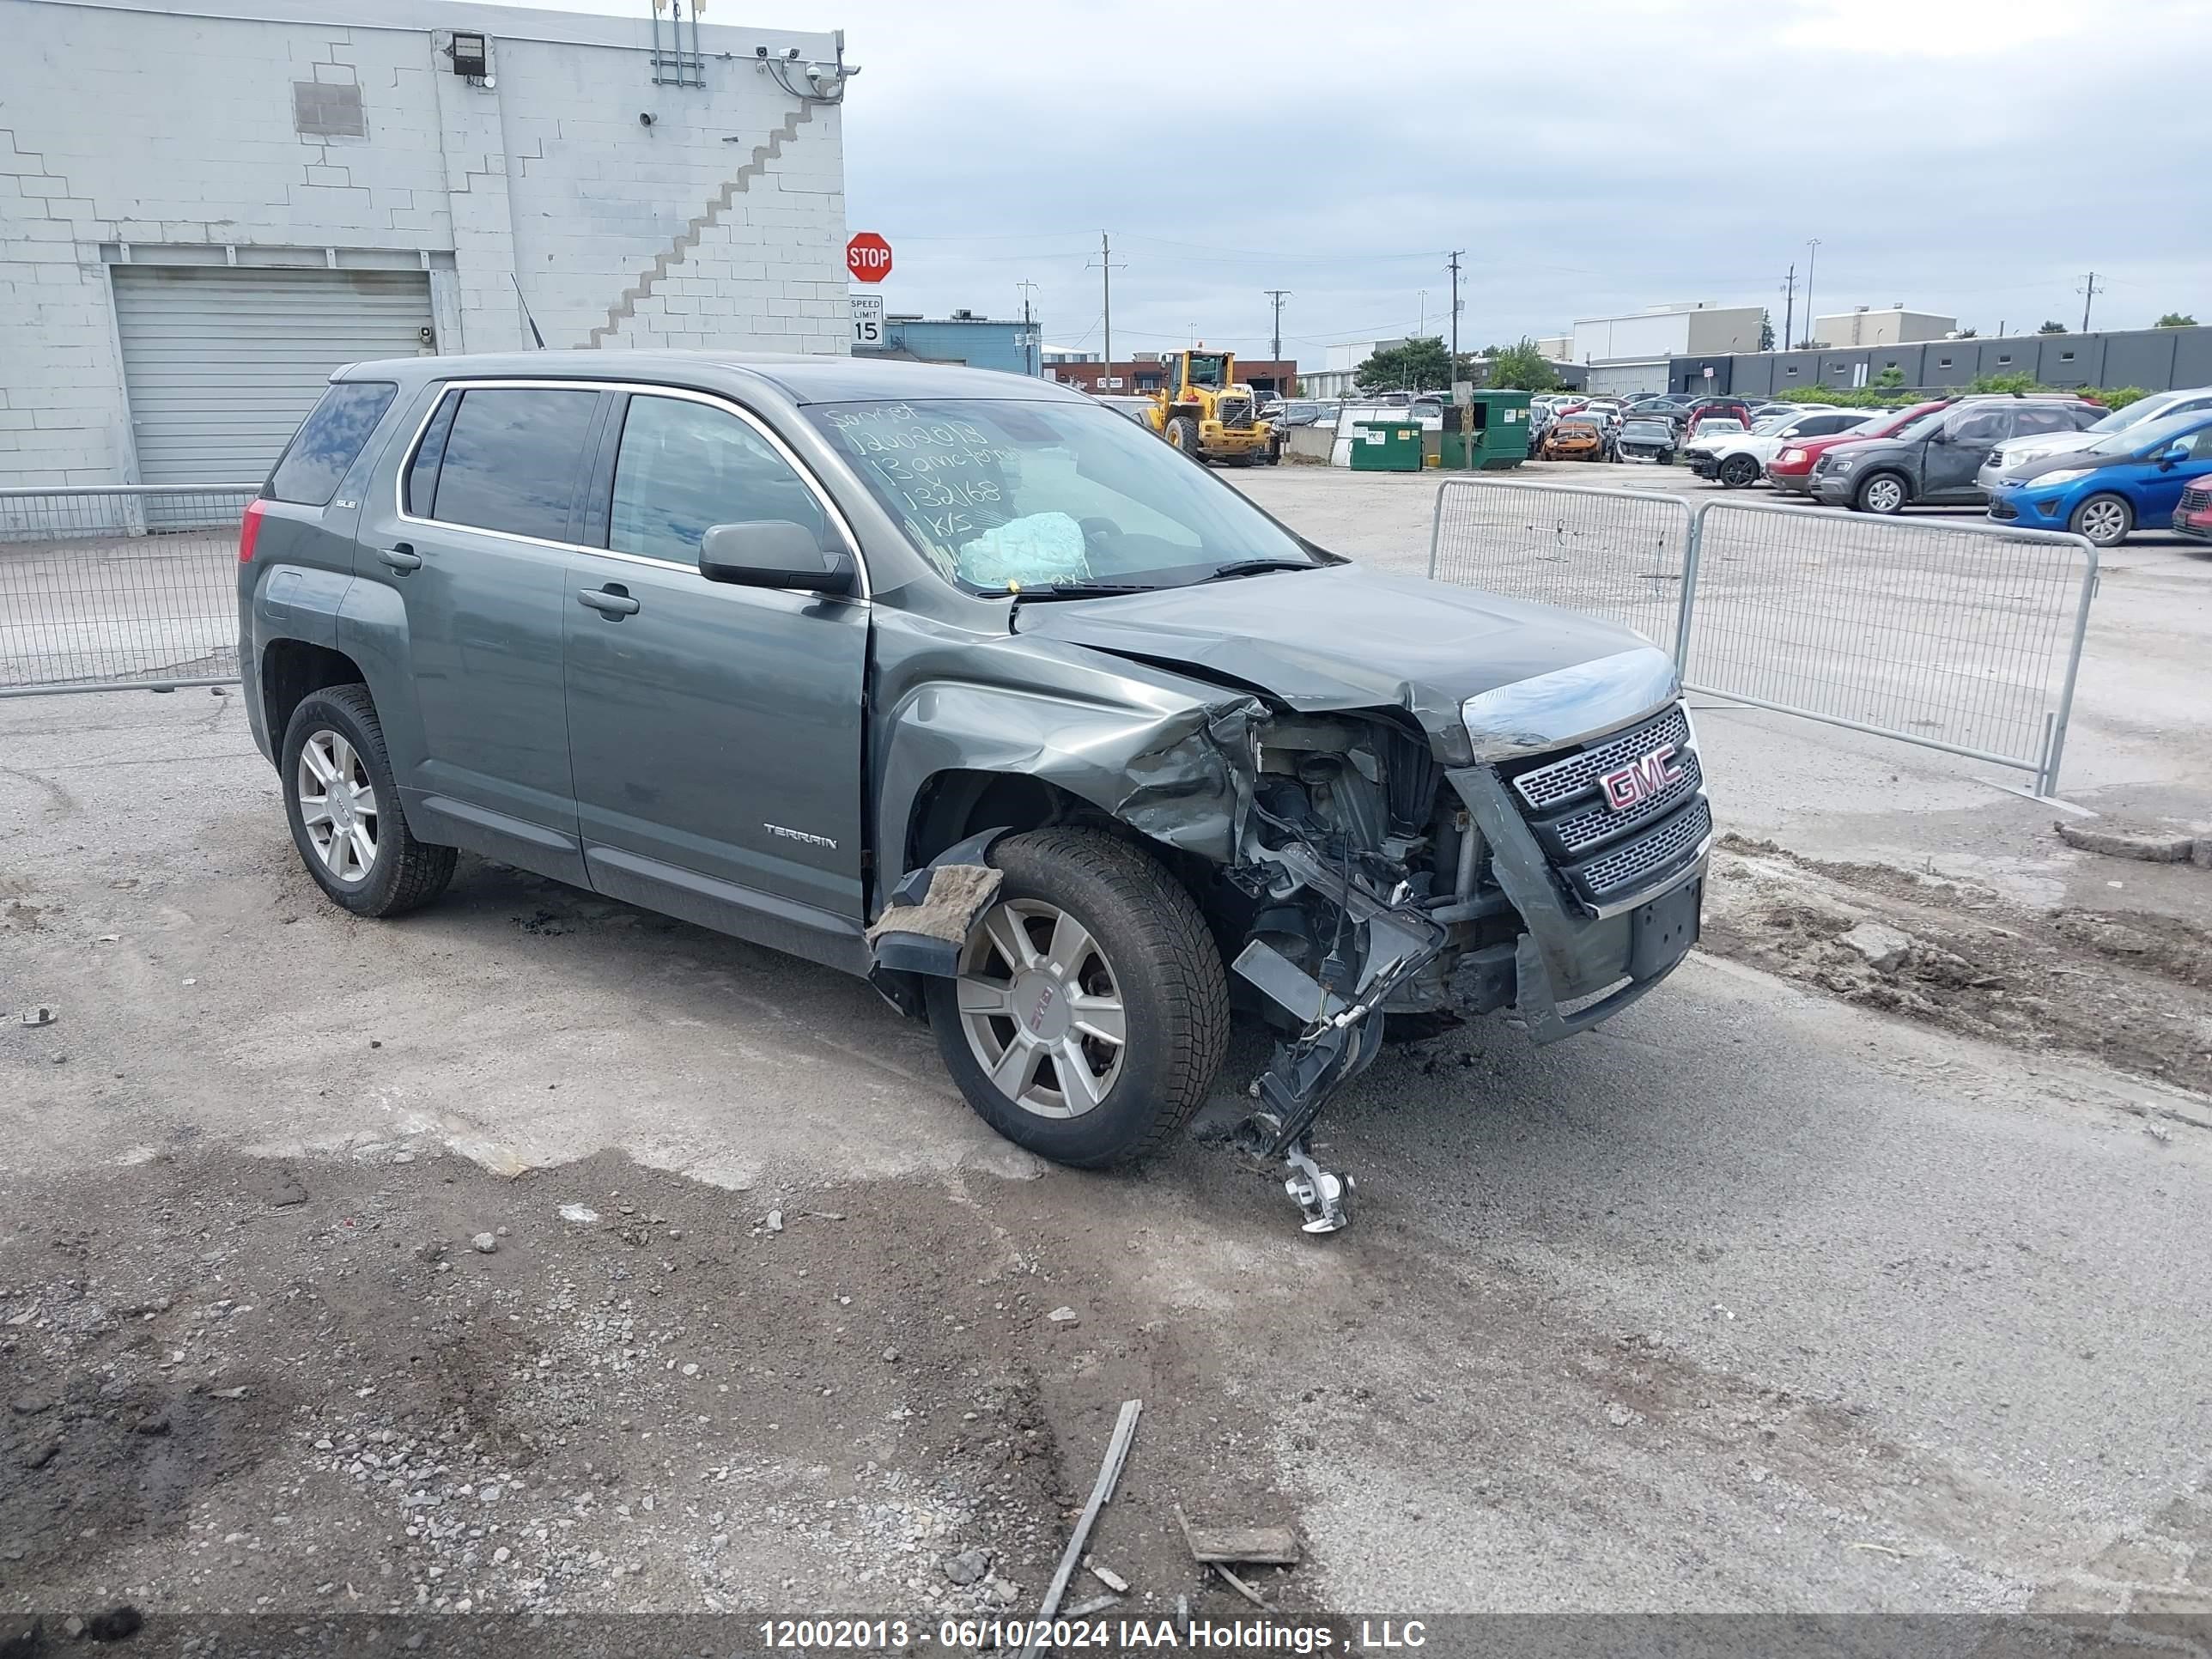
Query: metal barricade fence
[[119, 587], [1611, 553], [1962, 638]]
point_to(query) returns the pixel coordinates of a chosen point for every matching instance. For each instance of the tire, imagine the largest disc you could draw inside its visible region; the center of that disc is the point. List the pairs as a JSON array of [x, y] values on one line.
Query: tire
[[1882, 493], [1182, 434], [1148, 949], [1738, 472], [335, 734], [2106, 520]]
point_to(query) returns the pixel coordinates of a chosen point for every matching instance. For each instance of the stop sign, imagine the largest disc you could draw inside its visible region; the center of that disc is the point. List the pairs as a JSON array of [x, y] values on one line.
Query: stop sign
[[868, 256]]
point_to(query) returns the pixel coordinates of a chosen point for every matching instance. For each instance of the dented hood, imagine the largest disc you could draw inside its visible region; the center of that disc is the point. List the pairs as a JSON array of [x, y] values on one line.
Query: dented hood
[[1344, 636]]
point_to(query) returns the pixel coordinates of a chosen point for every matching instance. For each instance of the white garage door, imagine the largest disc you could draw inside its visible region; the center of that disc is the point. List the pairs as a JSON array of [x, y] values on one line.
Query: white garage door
[[222, 363]]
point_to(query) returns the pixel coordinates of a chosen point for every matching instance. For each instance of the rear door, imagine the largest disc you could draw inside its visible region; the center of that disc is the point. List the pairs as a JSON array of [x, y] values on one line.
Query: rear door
[[1954, 452], [474, 548], [715, 729]]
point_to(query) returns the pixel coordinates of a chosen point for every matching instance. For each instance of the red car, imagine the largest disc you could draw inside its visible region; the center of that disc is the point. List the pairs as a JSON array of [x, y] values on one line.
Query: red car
[[1791, 469], [2193, 517]]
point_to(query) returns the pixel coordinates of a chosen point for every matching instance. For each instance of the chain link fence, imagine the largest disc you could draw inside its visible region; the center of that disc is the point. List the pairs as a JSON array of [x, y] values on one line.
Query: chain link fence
[[119, 587], [1962, 638]]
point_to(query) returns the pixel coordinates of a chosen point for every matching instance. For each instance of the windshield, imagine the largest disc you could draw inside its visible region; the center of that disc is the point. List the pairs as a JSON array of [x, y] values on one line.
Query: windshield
[[1773, 422], [2120, 420], [1209, 368], [2150, 436], [1006, 494]]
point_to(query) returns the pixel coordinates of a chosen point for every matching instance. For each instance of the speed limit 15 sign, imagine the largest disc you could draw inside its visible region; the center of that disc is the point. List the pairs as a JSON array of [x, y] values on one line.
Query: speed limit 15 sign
[[868, 256], [867, 319]]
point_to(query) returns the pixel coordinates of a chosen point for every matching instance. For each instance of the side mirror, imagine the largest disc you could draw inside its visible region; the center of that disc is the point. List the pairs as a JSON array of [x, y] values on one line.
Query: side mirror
[[774, 553], [2176, 453]]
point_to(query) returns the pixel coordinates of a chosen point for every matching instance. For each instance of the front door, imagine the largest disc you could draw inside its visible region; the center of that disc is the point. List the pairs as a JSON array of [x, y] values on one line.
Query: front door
[[713, 730], [2159, 491]]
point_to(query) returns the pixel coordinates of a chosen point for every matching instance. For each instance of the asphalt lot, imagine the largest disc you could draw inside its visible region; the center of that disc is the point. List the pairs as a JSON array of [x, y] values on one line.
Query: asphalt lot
[[1753, 1300]]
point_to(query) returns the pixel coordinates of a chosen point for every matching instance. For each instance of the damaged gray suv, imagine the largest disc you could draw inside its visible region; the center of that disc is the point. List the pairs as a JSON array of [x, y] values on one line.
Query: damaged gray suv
[[962, 683]]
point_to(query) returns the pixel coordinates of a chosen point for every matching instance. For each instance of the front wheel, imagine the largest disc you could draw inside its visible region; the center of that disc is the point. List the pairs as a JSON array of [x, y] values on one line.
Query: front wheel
[[1884, 494], [1738, 471], [2105, 521], [1091, 1012], [1182, 434], [343, 804]]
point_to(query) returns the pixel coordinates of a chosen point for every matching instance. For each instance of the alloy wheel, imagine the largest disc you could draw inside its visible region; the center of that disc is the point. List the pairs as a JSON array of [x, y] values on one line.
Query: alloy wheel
[[1884, 496], [2104, 522], [1041, 1009], [337, 805]]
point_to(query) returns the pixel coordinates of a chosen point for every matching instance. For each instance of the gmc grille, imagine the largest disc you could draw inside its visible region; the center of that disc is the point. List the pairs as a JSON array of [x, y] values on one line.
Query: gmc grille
[[1604, 855]]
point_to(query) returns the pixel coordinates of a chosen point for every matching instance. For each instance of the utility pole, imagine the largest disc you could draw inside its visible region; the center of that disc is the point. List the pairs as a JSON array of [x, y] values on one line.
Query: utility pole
[[1453, 266], [2089, 292], [1789, 308], [1421, 329], [1278, 295], [1812, 258], [1028, 334], [1106, 270]]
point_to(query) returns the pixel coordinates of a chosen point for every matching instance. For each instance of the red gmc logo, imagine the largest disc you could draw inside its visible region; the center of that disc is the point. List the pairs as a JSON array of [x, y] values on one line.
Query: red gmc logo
[[1641, 779]]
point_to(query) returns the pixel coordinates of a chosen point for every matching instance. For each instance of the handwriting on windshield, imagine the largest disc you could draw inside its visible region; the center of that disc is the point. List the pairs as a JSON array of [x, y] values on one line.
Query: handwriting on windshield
[[948, 473]]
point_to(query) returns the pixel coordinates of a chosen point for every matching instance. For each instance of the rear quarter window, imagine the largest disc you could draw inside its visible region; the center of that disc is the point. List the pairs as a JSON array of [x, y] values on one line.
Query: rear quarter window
[[329, 442]]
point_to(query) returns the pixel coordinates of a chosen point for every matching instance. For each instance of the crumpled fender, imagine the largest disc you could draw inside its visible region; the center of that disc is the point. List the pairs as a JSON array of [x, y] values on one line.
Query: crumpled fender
[[1172, 769]]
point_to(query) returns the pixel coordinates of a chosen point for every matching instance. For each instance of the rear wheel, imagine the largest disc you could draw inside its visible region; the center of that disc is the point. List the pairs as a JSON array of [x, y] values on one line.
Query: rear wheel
[[1091, 1012], [1884, 493], [343, 804], [2105, 521], [1739, 470]]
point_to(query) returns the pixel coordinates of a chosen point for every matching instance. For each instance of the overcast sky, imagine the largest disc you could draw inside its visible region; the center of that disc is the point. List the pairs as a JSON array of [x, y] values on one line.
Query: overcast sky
[[1971, 157]]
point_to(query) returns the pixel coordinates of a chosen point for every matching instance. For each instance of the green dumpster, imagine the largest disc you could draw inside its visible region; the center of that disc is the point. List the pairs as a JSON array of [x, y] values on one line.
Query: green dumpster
[[1495, 426], [1385, 446]]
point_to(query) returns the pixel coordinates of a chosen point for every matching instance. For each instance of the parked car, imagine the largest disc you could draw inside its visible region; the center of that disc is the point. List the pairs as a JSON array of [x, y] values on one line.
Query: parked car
[[1703, 410], [1046, 739], [1791, 468], [2125, 481], [2155, 407], [1934, 461], [2192, 517], [1645, 438], [1575, 438], [1740, 459]]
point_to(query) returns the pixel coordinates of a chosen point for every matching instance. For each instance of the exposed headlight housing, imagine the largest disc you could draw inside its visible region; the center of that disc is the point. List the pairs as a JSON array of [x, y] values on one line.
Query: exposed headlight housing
[[2065, 474], [1789, 458]]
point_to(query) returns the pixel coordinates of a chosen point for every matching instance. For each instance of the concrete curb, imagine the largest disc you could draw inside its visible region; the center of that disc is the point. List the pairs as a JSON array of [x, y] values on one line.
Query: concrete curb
[[2144, 844]]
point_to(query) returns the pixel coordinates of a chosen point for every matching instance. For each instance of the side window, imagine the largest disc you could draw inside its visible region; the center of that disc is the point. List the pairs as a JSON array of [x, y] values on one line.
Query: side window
[[329, 441], [2200, 446], [423, 470], [512, 459], [684, 466], [2029, 422], [1979, 426]]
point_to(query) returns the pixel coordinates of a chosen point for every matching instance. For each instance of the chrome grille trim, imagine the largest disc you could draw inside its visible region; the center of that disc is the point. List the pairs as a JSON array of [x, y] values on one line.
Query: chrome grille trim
[[1588, 830], [1629, 867], [1233, 411], [1546, 787]]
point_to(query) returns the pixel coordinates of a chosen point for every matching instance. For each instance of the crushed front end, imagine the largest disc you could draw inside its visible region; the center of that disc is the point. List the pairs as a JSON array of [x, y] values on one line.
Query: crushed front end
[[1546, 855]]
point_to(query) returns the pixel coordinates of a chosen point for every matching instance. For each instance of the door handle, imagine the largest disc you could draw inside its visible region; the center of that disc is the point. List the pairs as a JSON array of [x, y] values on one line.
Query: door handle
[[400, 557], [609, 602]]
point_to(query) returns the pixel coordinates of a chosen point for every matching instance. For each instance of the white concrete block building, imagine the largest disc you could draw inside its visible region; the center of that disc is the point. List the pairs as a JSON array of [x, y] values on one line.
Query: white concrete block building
[[207, 206]]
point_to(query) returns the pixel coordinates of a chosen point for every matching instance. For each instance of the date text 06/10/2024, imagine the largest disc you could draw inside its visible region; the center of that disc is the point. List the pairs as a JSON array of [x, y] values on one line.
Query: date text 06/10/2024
[[1096, 1635]]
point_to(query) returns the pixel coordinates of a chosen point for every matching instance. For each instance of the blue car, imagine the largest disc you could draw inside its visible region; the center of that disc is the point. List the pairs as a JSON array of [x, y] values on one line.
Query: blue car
[[2124, 482]]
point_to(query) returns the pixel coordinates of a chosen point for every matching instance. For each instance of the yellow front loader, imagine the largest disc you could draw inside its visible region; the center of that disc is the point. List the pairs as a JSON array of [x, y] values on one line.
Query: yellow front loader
[[1202, 410]]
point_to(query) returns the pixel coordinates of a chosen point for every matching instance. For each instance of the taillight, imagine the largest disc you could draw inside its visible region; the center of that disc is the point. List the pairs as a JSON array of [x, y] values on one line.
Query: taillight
[[249, 531]]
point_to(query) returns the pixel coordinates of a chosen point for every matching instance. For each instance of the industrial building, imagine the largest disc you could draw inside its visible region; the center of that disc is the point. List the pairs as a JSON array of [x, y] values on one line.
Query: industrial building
[[1012, 347], [1143, 374], [2155, 359], [1864, 327], [205, 206], [1631, 352]]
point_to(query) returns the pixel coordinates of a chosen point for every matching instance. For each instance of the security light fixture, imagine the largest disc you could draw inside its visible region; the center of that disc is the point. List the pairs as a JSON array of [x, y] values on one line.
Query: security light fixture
[[471, 57]]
